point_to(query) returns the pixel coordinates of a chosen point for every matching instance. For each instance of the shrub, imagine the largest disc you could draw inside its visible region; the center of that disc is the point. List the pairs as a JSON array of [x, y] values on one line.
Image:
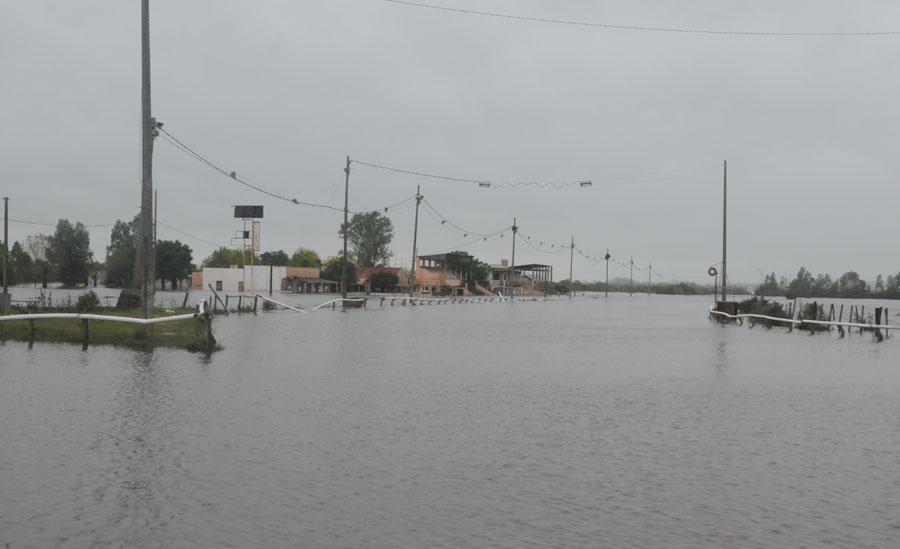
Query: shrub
[[87, 302]]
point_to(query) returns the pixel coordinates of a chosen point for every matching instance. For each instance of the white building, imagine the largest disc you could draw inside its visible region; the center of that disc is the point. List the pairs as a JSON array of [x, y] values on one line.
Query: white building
[[251, 278]]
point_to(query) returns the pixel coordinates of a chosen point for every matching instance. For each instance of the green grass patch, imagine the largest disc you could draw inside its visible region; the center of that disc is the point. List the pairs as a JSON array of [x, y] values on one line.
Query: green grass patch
[[179, 335]]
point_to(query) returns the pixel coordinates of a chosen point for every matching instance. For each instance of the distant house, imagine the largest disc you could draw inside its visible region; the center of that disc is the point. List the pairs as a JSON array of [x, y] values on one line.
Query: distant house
[[305, 280]]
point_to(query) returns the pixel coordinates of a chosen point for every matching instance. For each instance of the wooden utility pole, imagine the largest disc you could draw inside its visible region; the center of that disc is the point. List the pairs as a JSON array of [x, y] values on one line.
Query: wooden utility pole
[[571, 257], [145, 261], [512, 268], [412, 271], [346, 229], [724, 227]]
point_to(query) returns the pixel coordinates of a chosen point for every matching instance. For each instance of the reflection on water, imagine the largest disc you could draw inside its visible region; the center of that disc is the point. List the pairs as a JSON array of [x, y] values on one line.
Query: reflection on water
[[618, 422]]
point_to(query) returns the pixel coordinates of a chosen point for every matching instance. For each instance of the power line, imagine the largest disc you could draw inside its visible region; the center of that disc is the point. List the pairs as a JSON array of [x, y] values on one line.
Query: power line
[[640, 28], [182, 146], [480, 182], [446, 221], [43, 224], [197, 238]]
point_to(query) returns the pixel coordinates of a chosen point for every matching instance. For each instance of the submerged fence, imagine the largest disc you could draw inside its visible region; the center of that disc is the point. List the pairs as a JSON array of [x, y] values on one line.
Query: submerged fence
[[202, 315], [876, 327]]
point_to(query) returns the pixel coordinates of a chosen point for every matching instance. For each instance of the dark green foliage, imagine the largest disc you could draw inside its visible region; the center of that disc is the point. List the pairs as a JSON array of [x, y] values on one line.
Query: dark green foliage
[[19, 265], [223, 258], [87, 302], [760, 306], [305, 258], [384, 281], [39, 247], [70, 253], [120, 254], [813, 311], [370, 234], [770, 287], [278, 258], [173, 262], [333, 270]]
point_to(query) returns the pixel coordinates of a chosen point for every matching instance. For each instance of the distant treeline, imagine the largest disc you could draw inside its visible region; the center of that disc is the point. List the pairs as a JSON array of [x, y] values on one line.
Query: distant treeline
[[848, 285], [618, 285]]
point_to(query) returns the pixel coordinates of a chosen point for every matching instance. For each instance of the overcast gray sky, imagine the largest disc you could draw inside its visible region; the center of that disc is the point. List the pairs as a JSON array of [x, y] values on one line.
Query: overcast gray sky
[[281, 91]]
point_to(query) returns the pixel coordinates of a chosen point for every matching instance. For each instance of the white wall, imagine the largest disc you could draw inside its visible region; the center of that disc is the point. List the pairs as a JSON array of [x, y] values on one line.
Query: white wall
[[229, 278], [255, 278]]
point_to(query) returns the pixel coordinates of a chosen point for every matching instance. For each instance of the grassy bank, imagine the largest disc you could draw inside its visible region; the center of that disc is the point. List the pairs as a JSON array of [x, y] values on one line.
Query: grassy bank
[[180, 334]]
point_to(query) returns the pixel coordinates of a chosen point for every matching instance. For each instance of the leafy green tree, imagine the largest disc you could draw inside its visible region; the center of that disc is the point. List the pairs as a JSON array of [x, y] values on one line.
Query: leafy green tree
[[852, 286], [384, 281], [770, 286], [802, 284], [892, 288], [70, 253], [305, 258], [223, 258], [39, 248], [174, 262], [333, 270], [370, 234], [879, 285], [20, 265], [278, 258], [824, 286], [121, 254]]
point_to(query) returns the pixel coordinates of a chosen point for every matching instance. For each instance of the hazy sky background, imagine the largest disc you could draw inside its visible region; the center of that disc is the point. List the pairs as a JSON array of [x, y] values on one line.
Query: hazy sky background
[[281, 91]]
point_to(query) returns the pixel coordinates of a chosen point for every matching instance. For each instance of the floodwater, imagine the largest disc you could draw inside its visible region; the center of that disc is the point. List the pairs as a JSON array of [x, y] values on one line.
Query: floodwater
[[619, 422]]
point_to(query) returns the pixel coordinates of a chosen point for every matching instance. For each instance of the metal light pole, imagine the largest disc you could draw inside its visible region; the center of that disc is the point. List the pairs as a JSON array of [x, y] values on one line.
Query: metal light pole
[[412, 278], [346, 203], [724, 225], [512, 267], [631, 279], [571, 257], [607, 273]]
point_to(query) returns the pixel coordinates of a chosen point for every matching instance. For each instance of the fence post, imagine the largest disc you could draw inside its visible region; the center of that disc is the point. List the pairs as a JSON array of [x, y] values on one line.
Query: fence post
[[878, 336], [85, 333]]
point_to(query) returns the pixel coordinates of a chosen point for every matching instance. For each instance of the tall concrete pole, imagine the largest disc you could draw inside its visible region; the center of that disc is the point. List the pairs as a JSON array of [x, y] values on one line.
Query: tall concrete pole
[[512, 268], [346, 228], [145, 261], [412, 271], [724, 226], [571, 258]]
